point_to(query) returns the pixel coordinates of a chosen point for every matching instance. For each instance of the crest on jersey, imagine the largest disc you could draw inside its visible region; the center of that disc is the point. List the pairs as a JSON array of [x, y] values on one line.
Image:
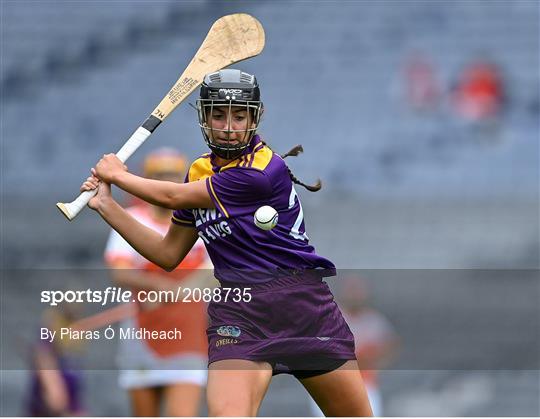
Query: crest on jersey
[[229, 331]]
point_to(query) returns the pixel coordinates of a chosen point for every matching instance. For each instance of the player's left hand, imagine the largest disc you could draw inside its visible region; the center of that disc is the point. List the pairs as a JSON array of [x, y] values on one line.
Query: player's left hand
[[108, 167]]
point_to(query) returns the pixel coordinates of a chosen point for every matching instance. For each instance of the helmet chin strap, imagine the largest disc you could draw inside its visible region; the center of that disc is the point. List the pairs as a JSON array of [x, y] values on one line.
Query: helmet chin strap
[[228, 153]]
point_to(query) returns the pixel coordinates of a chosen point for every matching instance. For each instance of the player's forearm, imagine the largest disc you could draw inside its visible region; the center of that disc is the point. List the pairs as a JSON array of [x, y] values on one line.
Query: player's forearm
[[165, 194], [144, 240], [155, 192]]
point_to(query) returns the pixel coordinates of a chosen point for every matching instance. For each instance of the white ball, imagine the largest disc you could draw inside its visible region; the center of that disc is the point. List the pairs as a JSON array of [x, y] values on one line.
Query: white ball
[[266, 217]]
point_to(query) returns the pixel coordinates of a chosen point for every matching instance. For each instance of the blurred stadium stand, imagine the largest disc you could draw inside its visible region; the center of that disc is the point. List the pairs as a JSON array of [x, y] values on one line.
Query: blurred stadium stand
[[94, 73], [403, 189]]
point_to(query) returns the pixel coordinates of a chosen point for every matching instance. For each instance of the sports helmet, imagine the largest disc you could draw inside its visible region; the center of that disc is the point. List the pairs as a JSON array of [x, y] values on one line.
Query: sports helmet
[[164, 160], [230, 88]]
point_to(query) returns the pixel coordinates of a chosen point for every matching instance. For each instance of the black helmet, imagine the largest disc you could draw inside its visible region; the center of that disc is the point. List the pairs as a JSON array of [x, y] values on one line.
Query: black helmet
[[229, 88]]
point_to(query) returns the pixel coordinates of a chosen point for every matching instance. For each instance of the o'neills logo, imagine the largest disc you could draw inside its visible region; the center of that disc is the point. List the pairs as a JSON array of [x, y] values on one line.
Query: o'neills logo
[[223, 342], [232, 331]]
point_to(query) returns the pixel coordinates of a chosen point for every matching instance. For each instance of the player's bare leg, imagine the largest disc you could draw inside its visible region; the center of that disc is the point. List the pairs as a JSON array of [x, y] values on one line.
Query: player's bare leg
[[340, 392], [182, 399], [237, 387], [145, 401]]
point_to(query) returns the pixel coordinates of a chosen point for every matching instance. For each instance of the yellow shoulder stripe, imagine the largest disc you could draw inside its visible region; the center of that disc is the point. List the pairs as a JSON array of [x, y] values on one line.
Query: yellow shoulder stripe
[[262, 158], [200, 169], [258, 159], [235, 163]]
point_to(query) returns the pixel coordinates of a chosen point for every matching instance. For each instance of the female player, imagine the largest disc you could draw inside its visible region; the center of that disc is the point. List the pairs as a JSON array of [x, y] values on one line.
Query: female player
[[280, 316], [57, 382], [167, 372]]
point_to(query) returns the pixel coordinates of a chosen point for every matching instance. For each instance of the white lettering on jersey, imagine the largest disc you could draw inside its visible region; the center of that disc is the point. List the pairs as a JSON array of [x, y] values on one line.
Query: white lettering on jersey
[[295, 230], [212, 231], [203, 215]]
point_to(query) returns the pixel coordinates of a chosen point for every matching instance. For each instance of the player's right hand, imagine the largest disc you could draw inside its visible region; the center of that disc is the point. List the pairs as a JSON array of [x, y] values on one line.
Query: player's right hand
[[104, 191]]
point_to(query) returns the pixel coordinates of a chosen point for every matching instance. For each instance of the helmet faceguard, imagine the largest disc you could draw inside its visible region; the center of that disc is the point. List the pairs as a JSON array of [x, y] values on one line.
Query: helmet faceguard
[[227, 89]]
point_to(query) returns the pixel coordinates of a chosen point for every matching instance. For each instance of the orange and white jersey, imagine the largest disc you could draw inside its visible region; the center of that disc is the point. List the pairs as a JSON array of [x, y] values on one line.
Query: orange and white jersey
[[372, 333], [188, 317], [118, 249]]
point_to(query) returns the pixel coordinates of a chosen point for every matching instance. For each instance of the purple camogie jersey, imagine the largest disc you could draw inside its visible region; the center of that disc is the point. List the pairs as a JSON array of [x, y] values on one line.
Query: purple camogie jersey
[[240, 251]]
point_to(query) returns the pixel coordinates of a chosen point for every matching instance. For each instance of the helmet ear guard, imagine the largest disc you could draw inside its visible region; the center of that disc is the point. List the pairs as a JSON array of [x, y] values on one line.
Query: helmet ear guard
[[229, 88]]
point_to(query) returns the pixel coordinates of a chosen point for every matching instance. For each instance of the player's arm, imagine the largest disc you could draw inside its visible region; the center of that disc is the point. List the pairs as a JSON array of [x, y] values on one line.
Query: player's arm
[[157, 192], [166, 252]]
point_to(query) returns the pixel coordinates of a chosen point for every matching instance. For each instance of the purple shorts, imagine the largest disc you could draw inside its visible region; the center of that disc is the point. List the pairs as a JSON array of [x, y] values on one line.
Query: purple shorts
[[292, 323]]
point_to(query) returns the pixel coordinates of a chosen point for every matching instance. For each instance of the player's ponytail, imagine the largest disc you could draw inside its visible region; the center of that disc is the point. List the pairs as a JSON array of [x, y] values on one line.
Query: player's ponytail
[[311, 188], [295, 151]]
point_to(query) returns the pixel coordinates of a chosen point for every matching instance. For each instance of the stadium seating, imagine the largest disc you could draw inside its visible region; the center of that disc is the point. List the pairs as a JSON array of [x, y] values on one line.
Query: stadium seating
[[402, 188], [340, 95]]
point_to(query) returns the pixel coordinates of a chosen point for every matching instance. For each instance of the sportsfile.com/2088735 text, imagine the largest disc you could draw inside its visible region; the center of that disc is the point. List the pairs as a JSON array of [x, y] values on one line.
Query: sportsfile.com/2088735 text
[[113, 295]]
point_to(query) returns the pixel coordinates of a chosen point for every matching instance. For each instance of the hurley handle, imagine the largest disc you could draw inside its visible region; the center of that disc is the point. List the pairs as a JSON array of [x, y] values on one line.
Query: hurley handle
[[71, 209]]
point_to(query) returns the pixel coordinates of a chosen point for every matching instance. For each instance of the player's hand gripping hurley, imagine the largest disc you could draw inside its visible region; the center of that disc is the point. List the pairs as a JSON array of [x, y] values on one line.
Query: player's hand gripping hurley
[[231, 39]]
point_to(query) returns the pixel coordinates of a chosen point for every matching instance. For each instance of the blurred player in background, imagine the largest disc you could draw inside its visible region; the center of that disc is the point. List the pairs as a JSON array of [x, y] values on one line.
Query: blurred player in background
[[56, 382], [423, 89], [479, 98], [156, 373], [479, 93], [374, 338], [284, 318]]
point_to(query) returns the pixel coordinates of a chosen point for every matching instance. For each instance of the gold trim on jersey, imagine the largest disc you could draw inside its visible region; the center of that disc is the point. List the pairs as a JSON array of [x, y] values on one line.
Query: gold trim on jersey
[[221, 207], [260, 158], [201, 168], [191, 223]]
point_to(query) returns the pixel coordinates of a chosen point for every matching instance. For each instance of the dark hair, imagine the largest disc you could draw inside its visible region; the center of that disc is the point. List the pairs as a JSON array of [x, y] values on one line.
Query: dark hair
[[295, 151]]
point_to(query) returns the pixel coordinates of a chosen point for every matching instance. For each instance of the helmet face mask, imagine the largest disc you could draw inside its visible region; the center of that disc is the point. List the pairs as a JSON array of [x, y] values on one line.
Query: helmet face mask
[[230, 91]]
